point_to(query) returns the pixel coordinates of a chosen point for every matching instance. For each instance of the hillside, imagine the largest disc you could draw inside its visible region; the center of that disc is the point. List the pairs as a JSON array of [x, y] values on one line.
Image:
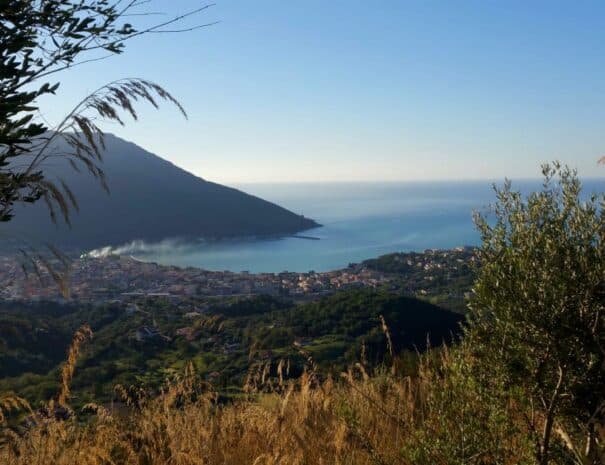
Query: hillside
[[223, 339], [151, 199]]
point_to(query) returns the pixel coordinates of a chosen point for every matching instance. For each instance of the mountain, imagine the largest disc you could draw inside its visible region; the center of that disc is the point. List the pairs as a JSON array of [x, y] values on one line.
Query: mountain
[[150, 199]]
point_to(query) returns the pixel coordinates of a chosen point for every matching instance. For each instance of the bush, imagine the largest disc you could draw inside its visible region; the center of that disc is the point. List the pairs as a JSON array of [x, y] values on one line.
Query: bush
[[538, 309]]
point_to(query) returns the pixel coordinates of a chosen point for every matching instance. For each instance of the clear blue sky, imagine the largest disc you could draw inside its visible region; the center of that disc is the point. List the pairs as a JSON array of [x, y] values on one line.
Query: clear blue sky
[[383, 90]]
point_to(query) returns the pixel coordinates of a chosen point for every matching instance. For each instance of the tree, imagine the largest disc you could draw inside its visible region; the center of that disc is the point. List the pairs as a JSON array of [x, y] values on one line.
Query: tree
[[538, 306], [39, 38]]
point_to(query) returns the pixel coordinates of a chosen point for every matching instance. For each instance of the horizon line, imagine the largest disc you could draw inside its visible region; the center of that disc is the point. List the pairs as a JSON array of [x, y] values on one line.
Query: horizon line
[[398, 181]]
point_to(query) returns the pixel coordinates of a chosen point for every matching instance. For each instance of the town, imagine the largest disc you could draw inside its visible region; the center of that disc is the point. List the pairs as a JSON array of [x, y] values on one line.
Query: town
[[97, 280], [123, 278]]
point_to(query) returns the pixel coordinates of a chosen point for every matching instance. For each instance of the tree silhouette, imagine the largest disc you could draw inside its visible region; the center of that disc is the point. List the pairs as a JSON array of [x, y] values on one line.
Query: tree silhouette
[[37, 40]]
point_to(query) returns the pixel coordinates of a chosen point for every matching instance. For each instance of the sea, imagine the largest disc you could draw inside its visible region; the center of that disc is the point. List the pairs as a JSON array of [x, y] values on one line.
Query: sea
[[359, 221]]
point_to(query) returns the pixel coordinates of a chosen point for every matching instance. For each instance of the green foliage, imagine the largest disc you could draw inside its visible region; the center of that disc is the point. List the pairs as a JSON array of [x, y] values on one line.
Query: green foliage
[[443, 277], [354, 316], [538, 307], [226, 340], [250, 307], [465, 420]]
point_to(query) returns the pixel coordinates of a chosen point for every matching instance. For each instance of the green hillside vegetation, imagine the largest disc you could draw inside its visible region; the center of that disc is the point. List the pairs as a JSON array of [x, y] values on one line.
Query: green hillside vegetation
[[443, 277], [222, 343]]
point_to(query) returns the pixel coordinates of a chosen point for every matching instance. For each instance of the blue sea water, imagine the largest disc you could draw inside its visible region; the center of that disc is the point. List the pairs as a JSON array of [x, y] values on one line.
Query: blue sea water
[[359, 221]]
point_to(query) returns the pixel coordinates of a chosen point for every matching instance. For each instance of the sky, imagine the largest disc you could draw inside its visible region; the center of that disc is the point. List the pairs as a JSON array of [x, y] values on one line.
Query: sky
[[299, 91]]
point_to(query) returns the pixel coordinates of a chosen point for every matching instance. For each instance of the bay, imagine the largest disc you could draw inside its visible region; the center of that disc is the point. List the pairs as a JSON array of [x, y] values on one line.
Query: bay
[[359, 221]]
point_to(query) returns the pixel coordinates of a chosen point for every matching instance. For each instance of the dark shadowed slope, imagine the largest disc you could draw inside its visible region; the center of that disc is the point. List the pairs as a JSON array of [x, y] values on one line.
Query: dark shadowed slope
[[151, 199]]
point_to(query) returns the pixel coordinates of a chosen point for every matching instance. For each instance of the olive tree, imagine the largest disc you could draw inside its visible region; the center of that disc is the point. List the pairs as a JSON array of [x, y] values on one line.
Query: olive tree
[[537, 309]]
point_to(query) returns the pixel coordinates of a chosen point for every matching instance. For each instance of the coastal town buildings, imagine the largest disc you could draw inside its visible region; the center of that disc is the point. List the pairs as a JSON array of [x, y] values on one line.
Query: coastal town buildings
[[125, 279]]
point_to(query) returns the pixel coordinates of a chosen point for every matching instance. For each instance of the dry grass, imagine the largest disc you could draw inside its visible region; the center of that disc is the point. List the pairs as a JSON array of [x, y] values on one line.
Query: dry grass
[[67, 372], [444, 412], [384, 418]]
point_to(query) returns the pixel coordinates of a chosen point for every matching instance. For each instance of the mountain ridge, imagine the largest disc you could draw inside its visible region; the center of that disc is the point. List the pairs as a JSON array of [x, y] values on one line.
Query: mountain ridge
[[151, 199]]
